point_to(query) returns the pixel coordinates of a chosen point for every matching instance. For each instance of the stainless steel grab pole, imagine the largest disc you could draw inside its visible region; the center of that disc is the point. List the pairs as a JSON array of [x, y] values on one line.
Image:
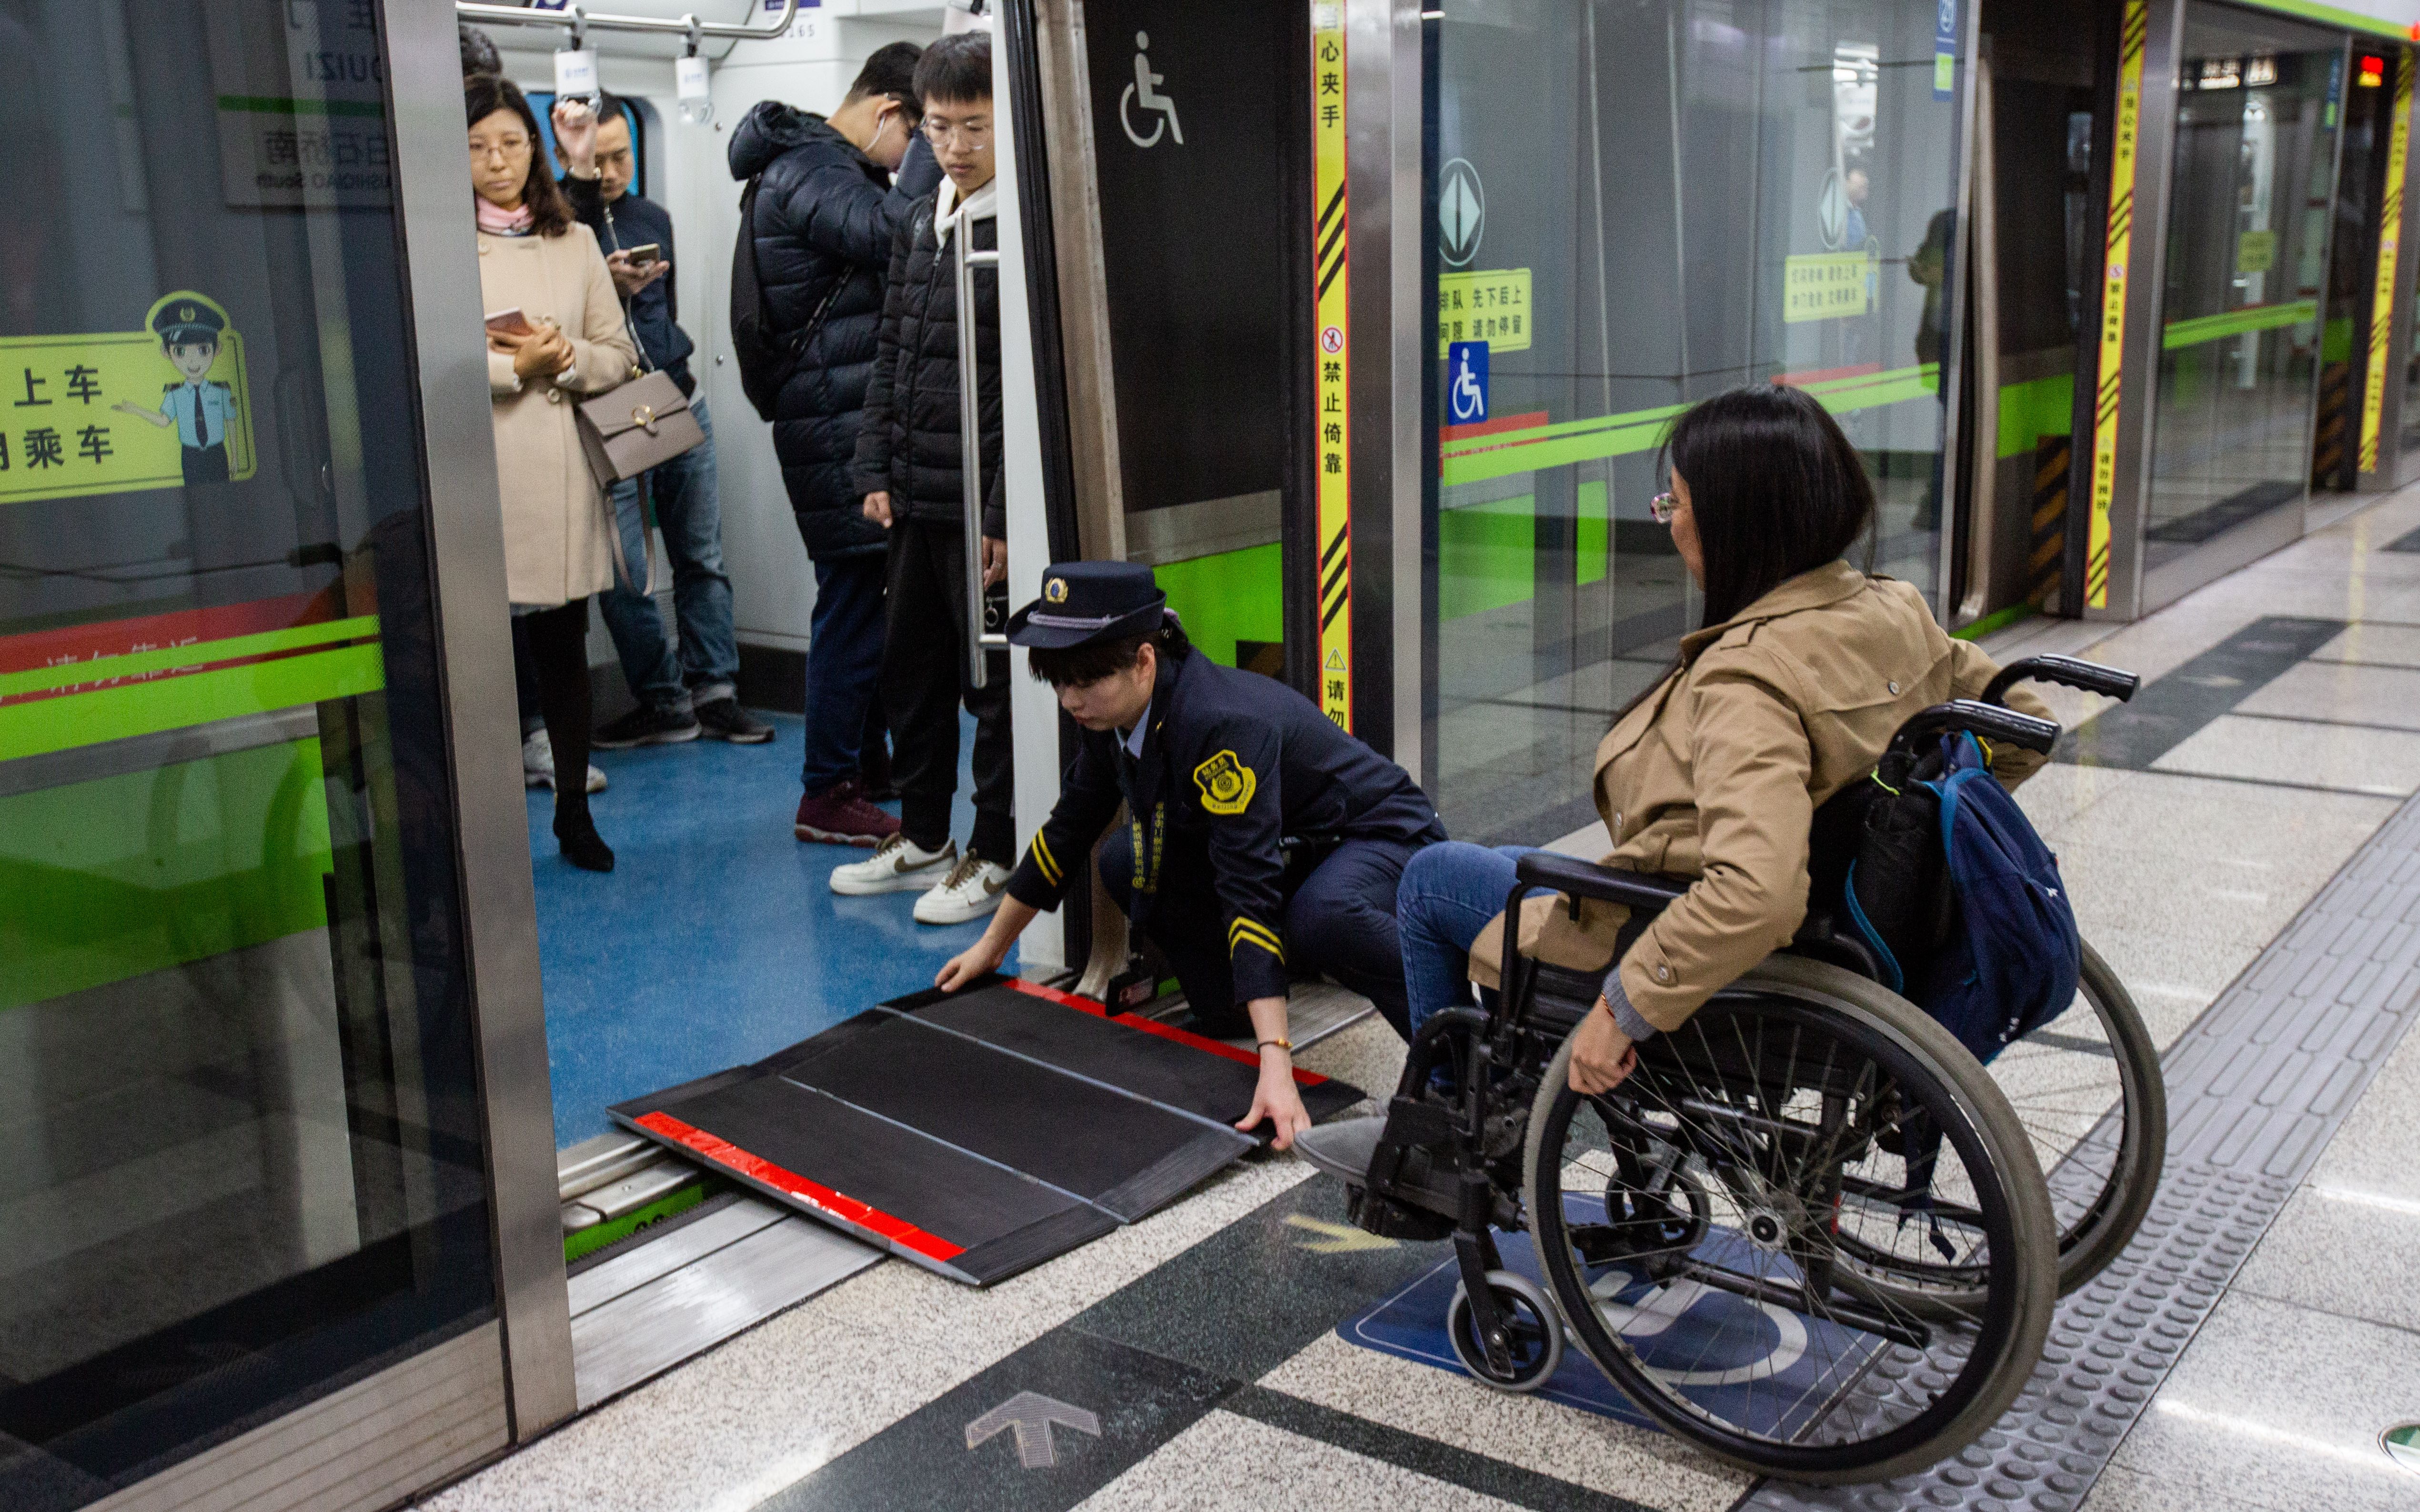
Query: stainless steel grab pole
[[970, 450], [576, 18]]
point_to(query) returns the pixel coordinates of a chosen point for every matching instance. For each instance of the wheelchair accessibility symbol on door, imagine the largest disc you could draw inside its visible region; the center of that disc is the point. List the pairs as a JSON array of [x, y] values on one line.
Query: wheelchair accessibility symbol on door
[[1466, 401], [1145, 91]]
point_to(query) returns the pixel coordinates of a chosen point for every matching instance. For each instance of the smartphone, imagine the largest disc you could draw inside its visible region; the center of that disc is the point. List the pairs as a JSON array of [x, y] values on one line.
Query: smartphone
[[646, 257], [510, 322]]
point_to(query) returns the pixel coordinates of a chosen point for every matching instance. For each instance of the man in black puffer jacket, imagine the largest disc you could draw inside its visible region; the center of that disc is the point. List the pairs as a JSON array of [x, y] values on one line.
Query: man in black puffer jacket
[[825, 213], [908, 467]]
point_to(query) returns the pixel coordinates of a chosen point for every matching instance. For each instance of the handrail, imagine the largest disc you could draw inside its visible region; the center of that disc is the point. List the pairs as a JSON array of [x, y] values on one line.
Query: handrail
[[971, 449], [578, 18]]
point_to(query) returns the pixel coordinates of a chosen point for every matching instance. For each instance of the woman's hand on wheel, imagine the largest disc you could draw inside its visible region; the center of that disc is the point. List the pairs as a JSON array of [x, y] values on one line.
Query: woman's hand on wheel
[[1278, 1100], [1602, 1054]]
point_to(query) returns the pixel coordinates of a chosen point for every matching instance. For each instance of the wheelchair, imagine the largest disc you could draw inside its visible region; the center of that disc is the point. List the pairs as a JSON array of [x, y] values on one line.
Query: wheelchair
[[1809, 1232]]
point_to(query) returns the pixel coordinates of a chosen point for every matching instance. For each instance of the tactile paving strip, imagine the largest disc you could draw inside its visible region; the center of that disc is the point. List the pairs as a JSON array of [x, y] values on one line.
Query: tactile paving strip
[[2255, 1088]]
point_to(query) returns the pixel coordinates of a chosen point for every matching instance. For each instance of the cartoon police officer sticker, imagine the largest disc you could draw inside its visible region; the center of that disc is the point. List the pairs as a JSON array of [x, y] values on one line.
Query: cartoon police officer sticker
[[1227, 785], [191, 329]]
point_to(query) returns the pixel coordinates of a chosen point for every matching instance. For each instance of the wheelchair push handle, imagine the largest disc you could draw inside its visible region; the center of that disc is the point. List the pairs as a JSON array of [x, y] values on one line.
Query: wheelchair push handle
[[2071, 672], [1989, 722]]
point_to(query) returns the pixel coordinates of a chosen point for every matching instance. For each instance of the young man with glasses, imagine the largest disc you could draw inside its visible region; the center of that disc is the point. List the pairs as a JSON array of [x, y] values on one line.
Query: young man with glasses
[[908, 470]]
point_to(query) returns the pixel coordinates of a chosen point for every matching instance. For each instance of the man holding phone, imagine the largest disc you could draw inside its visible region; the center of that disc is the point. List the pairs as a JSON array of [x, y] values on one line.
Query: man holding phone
[[696, 693]]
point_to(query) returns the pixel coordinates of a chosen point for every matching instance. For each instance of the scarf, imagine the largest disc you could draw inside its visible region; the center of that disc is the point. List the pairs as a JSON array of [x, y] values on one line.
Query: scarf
[[497, 222]]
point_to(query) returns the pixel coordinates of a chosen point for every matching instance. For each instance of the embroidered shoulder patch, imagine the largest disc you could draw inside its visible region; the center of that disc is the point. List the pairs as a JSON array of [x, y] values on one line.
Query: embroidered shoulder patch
[[1225, 783]]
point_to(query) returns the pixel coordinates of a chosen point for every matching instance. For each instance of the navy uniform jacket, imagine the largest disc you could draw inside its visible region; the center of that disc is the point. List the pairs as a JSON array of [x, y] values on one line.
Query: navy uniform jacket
[[1234, 761]]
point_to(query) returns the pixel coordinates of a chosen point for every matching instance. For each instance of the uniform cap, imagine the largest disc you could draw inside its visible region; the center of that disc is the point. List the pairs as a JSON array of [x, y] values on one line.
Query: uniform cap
[[1086, 602], [179, 321]]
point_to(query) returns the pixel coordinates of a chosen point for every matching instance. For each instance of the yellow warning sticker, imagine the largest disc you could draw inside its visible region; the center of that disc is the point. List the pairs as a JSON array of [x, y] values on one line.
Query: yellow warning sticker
[[1332, 327], [1492, 305], [2390, 237], [1826, 285], [2117, 244], [119, 411]]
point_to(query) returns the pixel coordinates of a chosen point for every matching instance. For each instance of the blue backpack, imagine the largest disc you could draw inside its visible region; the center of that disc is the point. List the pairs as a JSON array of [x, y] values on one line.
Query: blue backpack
[[2000, 960]]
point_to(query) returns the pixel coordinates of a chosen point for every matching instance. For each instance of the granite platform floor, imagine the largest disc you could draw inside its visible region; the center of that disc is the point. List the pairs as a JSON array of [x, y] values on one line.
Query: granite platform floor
[[2279, 729]]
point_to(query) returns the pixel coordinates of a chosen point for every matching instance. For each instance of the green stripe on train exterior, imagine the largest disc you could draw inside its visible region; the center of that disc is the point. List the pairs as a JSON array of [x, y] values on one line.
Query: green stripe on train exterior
[[118, 877]]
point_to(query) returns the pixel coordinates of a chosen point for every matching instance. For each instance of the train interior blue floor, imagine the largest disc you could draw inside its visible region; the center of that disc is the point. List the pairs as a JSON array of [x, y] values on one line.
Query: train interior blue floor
[[717, 937]]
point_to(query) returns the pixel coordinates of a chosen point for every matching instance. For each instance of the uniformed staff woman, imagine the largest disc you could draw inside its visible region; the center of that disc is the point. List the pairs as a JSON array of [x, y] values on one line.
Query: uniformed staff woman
[[1803, 669], [1216, 768]]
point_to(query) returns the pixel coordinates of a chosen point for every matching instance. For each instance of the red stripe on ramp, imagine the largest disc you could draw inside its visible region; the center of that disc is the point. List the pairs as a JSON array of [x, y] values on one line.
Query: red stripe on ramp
[[840, 1205], [1153, 1026]]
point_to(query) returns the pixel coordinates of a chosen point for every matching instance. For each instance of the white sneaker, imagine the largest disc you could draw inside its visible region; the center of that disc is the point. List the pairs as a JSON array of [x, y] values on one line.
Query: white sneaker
[[973, 888], [897, 865], [538, 764]]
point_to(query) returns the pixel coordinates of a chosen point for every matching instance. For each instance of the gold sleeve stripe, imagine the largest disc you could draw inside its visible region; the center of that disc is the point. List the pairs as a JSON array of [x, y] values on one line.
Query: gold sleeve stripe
[[1251, 932], [1043, 859]]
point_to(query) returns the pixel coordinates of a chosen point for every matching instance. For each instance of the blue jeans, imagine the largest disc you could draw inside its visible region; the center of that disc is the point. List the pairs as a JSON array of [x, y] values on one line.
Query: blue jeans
[[844, 664], [692, 516], [1448, 894]]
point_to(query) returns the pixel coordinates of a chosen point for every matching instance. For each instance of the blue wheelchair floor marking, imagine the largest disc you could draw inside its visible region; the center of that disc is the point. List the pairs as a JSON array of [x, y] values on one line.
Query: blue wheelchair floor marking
[[1723, 1349]]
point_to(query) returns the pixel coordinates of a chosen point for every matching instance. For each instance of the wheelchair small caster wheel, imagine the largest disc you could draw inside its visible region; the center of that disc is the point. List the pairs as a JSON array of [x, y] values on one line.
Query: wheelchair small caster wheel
[[1533, 1334]]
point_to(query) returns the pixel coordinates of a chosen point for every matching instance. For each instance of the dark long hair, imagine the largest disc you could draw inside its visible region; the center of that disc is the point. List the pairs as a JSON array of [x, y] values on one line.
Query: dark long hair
[[482, 95], [1774, 489]]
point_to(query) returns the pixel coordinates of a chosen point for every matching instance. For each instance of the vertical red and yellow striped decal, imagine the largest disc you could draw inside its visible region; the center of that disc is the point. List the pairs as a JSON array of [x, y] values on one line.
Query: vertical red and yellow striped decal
[[2390, 236], [1332, 324], [2118, 245]]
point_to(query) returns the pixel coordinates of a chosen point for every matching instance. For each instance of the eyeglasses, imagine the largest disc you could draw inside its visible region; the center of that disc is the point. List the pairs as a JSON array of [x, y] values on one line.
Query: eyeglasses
[[973, 135], [1662, 507]]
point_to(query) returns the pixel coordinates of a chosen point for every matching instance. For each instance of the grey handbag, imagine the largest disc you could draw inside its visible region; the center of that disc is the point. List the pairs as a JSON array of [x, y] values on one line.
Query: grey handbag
[[644, 423]]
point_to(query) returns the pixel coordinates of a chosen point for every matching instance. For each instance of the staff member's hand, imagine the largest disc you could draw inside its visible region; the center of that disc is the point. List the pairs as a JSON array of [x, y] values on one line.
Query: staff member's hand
[[983, 957], [1602, 1054], [877, 507], [1278, 1100], [995, 560]]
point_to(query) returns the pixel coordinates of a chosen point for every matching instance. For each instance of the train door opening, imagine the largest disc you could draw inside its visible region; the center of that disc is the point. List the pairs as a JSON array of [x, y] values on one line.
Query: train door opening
[[1637, 207]]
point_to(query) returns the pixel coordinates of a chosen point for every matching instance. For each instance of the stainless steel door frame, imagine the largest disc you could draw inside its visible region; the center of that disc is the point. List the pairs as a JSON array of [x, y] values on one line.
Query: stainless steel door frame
[[474, 649]]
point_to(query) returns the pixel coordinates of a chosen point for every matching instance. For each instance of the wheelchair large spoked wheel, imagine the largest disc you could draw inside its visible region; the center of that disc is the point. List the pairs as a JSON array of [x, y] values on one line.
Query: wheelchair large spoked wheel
[[2087, 1090], [1691, 1226]]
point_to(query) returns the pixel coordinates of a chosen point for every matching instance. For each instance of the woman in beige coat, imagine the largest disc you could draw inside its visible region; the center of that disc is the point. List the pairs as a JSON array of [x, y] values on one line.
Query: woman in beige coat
[[1804, 669], [534, 259]]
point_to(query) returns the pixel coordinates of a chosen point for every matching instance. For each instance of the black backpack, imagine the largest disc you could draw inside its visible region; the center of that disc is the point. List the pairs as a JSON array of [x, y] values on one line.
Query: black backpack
[[766, 357]]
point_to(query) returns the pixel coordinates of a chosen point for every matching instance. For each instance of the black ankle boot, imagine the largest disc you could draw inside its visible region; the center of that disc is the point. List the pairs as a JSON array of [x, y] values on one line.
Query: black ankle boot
[[576, 834]]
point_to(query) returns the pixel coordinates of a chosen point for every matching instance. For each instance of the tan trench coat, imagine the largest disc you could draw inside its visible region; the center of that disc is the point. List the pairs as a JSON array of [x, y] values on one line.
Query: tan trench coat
[[556, 545], [1718, 774]]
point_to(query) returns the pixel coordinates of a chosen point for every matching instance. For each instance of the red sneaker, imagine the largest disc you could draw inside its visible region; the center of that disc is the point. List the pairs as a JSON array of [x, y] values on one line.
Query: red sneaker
[[840, 816]]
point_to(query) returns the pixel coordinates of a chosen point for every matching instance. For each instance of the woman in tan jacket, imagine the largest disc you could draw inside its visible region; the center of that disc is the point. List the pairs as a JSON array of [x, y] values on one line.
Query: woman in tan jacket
[[537, 260], [1804, 669]]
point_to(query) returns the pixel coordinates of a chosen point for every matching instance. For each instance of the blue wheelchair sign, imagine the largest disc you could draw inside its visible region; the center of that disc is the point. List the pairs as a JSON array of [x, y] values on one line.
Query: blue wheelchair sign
[[1466, 365]]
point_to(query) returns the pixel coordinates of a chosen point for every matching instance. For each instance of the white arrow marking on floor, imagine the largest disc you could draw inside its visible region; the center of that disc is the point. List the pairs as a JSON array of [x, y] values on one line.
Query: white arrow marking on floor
[[1337, 1239], [1030, 1414]]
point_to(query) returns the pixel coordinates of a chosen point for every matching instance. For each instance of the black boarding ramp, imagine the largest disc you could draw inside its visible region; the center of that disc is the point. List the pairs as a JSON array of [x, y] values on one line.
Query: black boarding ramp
[[978, 1133]]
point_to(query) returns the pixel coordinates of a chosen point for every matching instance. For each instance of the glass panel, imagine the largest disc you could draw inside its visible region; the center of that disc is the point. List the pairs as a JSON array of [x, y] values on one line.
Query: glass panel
[[1641, 205], [239, 1155], [2257, 128]]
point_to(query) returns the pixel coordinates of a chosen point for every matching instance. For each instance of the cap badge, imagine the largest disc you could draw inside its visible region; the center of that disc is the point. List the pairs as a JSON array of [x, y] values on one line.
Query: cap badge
[[1055, 591]]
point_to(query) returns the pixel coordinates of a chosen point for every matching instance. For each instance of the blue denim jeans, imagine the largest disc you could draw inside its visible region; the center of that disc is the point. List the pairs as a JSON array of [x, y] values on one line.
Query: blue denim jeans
[[1448, 894], [844, 664], [692, 516]]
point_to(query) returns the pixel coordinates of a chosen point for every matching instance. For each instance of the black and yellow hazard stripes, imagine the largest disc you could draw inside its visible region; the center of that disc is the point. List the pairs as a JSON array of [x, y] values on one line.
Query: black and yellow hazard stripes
[[1244, 931], [2117, 247], [2390, 237], [1332, 326]]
